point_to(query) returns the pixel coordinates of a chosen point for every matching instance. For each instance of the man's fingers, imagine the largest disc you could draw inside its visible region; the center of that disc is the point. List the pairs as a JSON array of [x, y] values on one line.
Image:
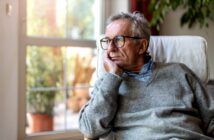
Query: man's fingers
[[106, 67]]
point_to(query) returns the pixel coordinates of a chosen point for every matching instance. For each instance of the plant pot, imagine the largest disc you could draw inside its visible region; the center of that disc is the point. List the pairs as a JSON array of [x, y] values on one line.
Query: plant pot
[[40, 122]]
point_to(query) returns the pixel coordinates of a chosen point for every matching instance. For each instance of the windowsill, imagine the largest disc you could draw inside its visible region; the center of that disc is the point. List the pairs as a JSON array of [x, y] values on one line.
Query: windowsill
[[63, 135]]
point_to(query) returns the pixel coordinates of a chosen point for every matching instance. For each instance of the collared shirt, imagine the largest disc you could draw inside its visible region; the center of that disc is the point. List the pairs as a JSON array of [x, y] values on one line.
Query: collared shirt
[[144, 74]]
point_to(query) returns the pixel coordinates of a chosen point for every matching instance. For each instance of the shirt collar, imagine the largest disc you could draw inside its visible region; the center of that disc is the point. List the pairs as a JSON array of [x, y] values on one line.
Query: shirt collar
[[144, 74], [146, 67]]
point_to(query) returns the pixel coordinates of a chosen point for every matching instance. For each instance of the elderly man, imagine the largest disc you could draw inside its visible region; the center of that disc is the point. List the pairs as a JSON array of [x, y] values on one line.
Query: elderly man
[[140, 99]]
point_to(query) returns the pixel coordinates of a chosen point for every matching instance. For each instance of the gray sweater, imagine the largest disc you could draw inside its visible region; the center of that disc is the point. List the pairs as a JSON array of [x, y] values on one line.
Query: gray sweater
[[173, 104]]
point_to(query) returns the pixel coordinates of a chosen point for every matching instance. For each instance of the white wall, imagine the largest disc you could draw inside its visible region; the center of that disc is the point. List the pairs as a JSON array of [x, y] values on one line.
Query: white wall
[[171, 26], [8, 71]]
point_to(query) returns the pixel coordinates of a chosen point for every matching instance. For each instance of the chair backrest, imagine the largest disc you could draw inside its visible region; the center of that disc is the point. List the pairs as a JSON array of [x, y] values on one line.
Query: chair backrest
[[190, 50]]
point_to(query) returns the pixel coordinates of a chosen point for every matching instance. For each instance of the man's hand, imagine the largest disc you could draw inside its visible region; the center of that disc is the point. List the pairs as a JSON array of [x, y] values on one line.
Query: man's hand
[[110, 66]]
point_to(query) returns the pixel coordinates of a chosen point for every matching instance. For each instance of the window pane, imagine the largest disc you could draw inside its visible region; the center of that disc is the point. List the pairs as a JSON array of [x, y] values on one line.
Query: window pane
[[75, 19], [51, 103], [44, 66], [80, 72], [45, 74], [58, 84], [81, 66]]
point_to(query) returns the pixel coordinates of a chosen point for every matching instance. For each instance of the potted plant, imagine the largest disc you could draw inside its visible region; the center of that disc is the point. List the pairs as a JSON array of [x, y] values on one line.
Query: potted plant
[[44, 70], [195, 12]]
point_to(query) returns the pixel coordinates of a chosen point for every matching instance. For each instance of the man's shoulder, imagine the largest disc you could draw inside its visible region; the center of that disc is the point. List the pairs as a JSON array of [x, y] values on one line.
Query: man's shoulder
[[171, 65], [175, 69]]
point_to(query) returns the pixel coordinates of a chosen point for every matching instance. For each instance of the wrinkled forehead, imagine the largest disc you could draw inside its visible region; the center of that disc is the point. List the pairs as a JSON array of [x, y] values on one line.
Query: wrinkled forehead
[[118, 27]]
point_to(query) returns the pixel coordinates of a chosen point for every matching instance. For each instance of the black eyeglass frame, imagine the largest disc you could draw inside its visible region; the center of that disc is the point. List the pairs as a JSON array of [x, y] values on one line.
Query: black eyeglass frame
[[114, 39]]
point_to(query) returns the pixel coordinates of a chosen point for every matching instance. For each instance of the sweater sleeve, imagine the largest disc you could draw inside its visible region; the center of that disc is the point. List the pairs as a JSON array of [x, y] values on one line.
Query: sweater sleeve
[[96, 116], [205, 104]]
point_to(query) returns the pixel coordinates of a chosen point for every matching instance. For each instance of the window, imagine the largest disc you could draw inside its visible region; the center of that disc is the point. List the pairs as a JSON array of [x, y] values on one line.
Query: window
[[58, 64], [58, 83]]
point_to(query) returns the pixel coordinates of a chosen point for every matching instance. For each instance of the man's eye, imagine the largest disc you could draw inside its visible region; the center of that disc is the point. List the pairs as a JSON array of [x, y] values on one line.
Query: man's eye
[[119, 38]]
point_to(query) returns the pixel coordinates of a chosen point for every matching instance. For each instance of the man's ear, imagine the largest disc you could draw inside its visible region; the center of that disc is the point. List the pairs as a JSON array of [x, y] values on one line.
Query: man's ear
[[143, 46]]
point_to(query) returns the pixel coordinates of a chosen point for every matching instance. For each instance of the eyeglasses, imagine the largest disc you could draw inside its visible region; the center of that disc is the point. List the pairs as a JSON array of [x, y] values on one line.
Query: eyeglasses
[[118, 41]]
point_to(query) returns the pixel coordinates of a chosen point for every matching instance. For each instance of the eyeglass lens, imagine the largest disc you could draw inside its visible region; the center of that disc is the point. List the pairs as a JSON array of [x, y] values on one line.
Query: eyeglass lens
[[118, 41]]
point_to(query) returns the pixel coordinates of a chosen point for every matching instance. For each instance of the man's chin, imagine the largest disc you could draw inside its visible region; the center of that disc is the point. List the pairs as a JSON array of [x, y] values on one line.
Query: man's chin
[[124, 67], [119, 63]]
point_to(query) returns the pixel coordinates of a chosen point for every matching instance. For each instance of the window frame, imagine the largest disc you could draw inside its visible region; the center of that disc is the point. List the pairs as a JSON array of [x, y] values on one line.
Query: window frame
[[25, 41]]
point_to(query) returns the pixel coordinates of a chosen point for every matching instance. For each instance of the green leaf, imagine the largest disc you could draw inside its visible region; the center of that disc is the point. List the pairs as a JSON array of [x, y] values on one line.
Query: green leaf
[[196, 11]]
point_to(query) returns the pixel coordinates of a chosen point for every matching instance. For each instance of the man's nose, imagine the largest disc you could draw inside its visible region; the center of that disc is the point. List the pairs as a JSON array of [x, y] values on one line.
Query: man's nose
[[111, 46]]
